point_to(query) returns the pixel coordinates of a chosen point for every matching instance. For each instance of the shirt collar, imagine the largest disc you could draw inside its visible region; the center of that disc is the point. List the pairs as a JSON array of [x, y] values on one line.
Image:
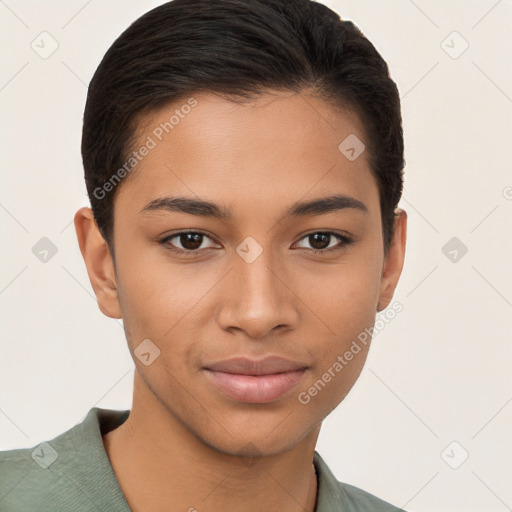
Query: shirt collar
[[95, 471]]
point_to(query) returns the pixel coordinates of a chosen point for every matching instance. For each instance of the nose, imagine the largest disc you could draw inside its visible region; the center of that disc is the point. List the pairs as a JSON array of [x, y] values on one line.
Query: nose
[[257, 298]]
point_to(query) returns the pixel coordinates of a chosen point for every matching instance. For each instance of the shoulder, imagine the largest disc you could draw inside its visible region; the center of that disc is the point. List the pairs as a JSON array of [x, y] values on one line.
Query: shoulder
[[65, 473], [334, 495], [26, 476], [14, 462]]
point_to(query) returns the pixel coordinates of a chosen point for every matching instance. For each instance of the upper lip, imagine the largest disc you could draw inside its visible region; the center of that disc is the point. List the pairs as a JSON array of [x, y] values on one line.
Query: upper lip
[[266, 366]]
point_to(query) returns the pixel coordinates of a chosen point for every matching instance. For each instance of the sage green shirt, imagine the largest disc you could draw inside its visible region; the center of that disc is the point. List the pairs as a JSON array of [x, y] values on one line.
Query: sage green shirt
[[72, 473]]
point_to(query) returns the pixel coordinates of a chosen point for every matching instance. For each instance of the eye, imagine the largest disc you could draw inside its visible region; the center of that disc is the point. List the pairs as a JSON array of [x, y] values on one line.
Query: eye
[[321, 241], [191, 242]]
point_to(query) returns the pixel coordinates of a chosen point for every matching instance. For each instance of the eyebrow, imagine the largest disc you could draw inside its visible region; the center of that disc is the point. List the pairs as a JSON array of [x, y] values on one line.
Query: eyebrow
[[204, 208]]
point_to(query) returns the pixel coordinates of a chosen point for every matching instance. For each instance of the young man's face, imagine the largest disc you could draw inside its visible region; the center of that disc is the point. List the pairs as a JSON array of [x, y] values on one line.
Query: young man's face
[[251, 285]]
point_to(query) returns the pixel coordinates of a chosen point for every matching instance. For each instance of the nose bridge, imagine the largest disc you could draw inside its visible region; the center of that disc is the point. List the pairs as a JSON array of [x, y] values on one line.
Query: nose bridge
[[258, 299], [257, 280]]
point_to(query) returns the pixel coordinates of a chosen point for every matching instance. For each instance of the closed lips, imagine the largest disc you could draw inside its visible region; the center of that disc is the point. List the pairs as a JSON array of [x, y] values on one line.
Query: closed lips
[[245, 366], [255, 381]]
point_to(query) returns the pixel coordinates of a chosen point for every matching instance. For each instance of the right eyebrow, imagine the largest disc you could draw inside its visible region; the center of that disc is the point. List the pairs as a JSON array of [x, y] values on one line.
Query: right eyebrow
[[188, 205]]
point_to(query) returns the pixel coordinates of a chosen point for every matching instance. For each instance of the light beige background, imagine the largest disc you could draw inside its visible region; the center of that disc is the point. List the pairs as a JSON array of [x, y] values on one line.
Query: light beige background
[[438, 373]]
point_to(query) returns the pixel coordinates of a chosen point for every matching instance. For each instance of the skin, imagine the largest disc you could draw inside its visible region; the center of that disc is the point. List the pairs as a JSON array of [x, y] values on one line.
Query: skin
[[183, 441]]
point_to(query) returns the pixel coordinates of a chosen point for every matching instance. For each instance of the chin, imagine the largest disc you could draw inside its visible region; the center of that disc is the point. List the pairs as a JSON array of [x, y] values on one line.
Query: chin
[[254, 440]]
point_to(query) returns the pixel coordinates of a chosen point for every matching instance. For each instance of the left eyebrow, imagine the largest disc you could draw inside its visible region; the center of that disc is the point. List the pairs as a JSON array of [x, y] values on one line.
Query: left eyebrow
[[204, 208]]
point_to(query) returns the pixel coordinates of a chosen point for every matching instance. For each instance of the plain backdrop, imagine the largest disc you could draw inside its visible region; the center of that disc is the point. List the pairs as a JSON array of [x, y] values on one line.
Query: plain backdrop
[[437, 385]]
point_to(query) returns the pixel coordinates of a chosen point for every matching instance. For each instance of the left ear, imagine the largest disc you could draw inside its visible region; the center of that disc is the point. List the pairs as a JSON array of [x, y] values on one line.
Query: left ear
[[394, 261]]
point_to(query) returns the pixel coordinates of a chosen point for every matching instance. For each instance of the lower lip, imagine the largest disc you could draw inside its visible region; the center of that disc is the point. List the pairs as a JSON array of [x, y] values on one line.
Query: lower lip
[[259, 389]]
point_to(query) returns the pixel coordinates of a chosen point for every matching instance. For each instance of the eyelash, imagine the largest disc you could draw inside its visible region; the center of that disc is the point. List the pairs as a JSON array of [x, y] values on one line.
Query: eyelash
[[343, 238]]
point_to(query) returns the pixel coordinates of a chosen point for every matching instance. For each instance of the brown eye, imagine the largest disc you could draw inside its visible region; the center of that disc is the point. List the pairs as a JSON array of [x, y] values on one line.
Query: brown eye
[[188, 242], [319, 240], [322, 241], [191, 241]]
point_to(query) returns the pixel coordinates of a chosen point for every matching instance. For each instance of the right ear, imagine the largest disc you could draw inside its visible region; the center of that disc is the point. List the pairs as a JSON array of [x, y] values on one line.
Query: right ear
[[98, 261]]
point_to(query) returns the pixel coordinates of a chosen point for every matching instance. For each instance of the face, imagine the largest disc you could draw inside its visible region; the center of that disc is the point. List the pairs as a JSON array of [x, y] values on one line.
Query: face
[[253, 274]]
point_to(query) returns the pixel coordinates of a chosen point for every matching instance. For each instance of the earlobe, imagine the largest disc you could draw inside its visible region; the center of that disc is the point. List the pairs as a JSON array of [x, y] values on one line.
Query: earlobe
[[394, 261], [98, 261]]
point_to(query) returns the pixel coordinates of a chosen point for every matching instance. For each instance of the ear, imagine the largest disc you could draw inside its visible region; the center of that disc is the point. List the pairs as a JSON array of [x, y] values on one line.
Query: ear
[[98, 261], [394, 261]]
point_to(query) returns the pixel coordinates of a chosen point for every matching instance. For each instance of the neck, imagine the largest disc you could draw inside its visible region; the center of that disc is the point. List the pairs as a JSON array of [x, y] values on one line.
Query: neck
[[159, 462]]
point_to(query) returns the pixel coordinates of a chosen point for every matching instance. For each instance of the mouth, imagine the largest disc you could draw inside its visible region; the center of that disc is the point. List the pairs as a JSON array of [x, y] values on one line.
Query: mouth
[[255, 381]]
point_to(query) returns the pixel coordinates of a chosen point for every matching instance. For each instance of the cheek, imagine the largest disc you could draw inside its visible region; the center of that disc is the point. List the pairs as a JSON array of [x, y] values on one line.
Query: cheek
[[161, 301], [344, 296], [151, 299], [347, 305], [346, 302]]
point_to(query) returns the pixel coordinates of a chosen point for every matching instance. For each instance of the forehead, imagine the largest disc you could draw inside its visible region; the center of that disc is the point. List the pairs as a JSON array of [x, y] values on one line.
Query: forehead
[[277, 147]]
